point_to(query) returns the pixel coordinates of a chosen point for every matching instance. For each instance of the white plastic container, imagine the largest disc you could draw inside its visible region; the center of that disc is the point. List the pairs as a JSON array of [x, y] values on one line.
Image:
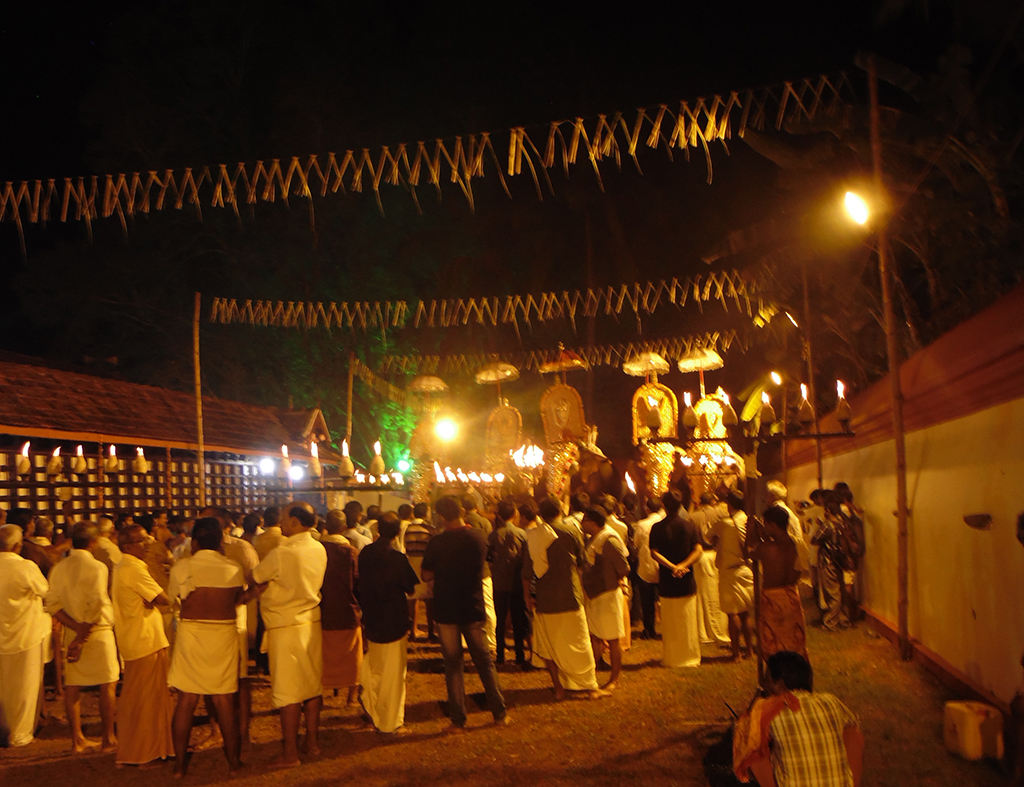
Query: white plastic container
[[973, 730]]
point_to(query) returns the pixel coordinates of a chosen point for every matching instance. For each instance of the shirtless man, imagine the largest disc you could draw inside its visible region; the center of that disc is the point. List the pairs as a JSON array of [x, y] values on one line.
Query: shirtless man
[[781, 626], [209, 588]]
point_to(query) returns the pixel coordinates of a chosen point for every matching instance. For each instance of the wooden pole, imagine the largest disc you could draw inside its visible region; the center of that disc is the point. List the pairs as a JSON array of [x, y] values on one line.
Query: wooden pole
[[348, 412], [808, 346], [167, 480], [896, 391], [100, 477], [199, 402]]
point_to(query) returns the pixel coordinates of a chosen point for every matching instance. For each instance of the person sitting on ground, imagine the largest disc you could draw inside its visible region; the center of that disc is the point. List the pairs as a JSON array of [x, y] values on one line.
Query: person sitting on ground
[[607, 566], [812, 738], [781, 622]]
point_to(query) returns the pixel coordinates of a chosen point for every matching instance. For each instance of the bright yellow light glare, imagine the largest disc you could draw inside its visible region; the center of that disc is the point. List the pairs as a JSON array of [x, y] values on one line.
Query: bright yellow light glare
[[446, 429], [776, 378], [857, 208]]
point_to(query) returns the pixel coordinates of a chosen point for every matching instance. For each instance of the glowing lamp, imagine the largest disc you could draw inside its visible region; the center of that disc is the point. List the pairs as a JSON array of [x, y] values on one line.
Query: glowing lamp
[[690, 419], [78, 464], [284, 468], [630, 484], [315, 470], [54, 464], [377, 463], [404, 465], [296, 473], [140, 464], [856, 208], [729, 418], [23, 465], [776, 378], [446, 429], [843, 410], [767, 411], [267, 466], [111, 463], [499, 477], [345, 467], [438, 473], [806, 412]]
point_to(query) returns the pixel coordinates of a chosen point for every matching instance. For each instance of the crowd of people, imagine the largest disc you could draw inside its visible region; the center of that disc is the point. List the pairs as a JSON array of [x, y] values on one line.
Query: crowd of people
[[329, 603]]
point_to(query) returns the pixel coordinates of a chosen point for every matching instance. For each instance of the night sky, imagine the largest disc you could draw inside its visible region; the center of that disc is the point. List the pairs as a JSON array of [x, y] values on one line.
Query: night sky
[[112, 87]]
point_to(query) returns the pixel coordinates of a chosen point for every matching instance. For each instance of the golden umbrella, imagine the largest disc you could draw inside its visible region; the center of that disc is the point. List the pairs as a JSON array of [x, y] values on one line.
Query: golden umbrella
[[700, 360]]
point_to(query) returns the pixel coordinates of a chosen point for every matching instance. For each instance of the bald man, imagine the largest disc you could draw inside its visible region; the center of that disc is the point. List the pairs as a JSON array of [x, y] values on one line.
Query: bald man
[[291, 576], [24, 634]]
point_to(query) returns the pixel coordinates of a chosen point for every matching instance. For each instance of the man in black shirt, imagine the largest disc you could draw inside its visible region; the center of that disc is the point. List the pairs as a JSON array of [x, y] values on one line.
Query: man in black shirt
[[505, 554], [455, 561], [675, 546], [385, 578]]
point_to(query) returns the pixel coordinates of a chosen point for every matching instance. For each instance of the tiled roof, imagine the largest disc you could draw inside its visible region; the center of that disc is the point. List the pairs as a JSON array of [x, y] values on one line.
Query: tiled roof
[[44, 402]]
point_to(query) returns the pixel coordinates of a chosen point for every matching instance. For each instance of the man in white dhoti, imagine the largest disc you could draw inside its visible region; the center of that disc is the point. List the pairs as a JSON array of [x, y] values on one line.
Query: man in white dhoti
[[244, 554], [712, 622], [607, 567], [293, 574], [78, 598], [386, 578], [24, 636], [675, 545], [209, 590], [735, 577], [145, 708], [555, 553]]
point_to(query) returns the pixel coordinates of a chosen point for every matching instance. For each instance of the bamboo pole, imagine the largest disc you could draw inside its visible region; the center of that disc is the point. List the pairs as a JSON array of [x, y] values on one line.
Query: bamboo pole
[[892, 350], [199, 402], [348, 412], [808, 346]]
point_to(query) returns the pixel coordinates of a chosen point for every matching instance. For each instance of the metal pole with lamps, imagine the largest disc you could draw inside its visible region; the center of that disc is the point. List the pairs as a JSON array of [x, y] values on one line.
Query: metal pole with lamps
[[859, 212]]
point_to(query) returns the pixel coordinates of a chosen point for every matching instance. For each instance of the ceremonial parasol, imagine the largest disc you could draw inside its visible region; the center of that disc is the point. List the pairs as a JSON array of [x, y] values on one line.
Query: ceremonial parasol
[[700, 360], [495, 374], [566, 361], [646, 364], [427, 384]]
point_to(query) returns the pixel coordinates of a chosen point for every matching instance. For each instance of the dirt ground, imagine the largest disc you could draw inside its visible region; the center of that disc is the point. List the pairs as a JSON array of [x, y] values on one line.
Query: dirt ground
[[656, 729]]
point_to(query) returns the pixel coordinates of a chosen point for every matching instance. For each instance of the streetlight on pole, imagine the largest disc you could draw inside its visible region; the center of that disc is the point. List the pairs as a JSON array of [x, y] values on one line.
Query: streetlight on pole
[[859, 211]]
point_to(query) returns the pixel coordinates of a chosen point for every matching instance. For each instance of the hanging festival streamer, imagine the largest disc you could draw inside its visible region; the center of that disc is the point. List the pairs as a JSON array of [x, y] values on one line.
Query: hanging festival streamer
[[379, 385], [458, 161], [600, 355], [721, 286]]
